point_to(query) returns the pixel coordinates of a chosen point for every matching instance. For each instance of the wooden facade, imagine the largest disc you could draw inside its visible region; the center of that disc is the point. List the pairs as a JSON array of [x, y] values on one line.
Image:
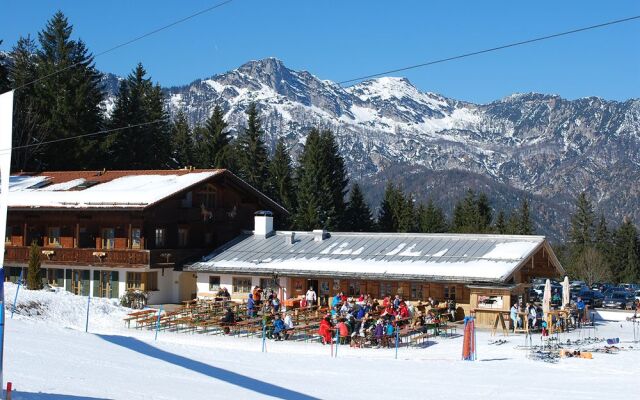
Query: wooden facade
[[131, 240]]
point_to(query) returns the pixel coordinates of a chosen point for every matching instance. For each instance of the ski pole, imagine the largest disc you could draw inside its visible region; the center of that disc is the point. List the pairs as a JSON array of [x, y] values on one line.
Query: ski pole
[[337, 341], [15, 299]]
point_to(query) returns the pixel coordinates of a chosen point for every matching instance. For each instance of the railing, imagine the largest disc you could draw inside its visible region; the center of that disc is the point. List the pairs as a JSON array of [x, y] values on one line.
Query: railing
[[175, 257], [61, 255]]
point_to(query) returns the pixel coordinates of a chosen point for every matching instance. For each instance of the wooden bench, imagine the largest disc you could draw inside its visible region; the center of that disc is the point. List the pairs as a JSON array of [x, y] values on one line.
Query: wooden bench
[[135, 316], [421, 338]]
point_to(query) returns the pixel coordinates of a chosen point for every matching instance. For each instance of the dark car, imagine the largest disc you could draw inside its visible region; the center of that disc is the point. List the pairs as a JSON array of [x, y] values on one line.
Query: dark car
[[589, 297], [618, 299]]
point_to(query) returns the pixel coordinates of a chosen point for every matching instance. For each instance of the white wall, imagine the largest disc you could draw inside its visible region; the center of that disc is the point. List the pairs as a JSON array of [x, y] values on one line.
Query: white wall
[[226, 280], [166, 292]]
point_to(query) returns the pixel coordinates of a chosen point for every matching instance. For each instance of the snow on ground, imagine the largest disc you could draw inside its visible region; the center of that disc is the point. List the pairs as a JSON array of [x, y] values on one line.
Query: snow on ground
[[49, 356]]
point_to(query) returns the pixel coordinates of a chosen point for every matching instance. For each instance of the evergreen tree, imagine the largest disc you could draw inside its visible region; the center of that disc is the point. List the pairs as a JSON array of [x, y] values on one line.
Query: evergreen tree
[[183, 147], [68, 102], [625, 257], [406, 214], [34, 280], [513, 224], [603, 238], [251, 152], [4, 73], [281, 184], [27, 121], [525, 224], [501, 223], [216, 146], [473, 214], [139, 147], [322, 181], [358, 215], [431, 219], [581, 234]]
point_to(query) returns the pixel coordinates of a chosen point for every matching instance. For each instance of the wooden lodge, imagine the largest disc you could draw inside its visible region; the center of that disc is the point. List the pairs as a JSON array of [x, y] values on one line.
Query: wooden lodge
[[484, 274], [103, 233]]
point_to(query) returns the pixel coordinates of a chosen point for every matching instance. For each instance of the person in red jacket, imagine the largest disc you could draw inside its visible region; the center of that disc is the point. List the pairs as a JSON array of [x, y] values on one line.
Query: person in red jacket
[[325, 330], [403, 310]]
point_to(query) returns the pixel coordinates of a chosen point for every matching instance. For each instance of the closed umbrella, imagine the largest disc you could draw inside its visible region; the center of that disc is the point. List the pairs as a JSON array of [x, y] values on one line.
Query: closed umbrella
[[546, 299], [565, 292]]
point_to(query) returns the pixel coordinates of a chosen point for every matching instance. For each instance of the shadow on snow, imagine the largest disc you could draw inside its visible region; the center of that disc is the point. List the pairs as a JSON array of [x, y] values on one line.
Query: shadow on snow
[[19, 395], [231, 377]]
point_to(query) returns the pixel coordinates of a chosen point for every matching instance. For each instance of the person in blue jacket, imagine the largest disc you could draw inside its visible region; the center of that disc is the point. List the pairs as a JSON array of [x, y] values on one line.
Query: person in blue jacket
[[278, 327], [251, 306], [580, 306]]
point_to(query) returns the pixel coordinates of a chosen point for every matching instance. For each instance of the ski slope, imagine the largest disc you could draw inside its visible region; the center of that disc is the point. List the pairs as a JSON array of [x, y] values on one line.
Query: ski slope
[[49, 356]]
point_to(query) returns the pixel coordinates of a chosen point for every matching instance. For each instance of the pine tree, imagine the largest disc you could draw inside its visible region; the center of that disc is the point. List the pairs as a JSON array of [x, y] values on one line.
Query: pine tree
[[473, 214], [431, 219], [68, 102], [216, 148], [625, 254], [358, 214], [183, 147], [603, 239], [501, 223], [27, 121], [139, 147], [581, 234], [34, 280], [4, 73], [251, 151], [387, 216], [513, 224], [485, 213], [525, 224], [322, 183], [406, 214], [281, 185]]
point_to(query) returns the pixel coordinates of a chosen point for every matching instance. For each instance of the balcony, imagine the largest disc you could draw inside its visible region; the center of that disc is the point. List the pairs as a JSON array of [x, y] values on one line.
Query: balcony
[[75, 256]]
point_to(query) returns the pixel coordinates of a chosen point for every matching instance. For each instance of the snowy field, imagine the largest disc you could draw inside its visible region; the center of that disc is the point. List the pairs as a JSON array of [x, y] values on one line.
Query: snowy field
[[49, 356]]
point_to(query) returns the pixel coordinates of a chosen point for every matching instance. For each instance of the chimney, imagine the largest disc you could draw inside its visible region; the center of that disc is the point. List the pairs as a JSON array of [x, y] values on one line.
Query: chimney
[[263, 224], [319, 235], [290, 238]]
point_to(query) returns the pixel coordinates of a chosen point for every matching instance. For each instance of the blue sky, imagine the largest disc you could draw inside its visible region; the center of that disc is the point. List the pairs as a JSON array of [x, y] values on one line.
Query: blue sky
[[339, 40]]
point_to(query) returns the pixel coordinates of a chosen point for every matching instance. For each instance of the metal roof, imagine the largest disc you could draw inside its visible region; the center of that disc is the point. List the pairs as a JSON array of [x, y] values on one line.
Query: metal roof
[[446, 257]]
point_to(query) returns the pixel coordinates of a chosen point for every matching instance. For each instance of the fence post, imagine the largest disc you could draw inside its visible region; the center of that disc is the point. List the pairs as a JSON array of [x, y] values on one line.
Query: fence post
[[158, 322], [337, 340], [15, 299], [264, 338]]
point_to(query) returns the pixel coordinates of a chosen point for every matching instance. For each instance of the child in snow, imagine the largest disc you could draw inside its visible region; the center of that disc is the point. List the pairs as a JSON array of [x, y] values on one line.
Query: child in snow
[[325, 330]]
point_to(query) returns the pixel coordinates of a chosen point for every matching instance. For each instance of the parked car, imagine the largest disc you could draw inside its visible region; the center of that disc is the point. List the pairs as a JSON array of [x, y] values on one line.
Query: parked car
[[637, 295], [618, 299], [589, 297]]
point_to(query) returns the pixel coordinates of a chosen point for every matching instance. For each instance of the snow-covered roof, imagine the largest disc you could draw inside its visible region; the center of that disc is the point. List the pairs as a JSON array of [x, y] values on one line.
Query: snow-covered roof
[[107, 189], [394, 256]]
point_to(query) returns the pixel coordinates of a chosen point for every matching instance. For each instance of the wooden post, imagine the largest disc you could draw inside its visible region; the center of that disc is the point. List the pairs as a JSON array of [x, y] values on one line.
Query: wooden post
[[24, 235], [130, 239], [77, 239]]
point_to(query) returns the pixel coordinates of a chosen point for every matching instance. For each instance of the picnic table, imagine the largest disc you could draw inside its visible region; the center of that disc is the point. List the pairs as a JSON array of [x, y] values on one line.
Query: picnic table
[[138, 315]]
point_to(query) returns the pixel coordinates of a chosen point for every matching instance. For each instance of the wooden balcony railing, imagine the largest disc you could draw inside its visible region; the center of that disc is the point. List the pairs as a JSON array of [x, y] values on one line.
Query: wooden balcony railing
[[73, 256]]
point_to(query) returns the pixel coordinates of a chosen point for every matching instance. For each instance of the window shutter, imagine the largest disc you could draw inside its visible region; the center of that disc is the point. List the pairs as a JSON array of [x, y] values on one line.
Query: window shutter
[[114, 284]]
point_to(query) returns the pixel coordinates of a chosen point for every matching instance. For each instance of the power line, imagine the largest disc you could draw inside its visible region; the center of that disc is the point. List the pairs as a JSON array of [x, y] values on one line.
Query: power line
[[506, 46], [541, 38], [128, 42], [108, 132]]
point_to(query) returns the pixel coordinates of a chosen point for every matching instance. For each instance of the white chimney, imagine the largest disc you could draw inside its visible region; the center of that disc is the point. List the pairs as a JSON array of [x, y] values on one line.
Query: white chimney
[[263, 224], [319, 235]]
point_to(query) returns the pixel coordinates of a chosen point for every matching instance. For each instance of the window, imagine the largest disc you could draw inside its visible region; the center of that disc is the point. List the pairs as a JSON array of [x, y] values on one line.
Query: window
[[108, 238], [151, 281], [268, 283], [242, 285], [449, 292], [214, 283], [54, 236], [135, 238], [416, 291], [161, 237], [209, 196], [134, 280], [183, 237], [354, 288], [385, 289]]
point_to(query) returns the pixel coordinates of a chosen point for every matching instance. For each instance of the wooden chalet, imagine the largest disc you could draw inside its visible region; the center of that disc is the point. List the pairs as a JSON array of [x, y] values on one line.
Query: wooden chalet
[[106, 232]]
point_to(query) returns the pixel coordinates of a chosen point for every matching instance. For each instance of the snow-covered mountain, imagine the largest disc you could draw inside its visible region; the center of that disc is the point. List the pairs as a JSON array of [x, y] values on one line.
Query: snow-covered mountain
[[536, 145]]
